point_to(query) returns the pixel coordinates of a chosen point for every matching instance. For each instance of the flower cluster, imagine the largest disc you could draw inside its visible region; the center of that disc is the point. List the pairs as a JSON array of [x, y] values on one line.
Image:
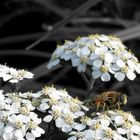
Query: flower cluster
[[12, 75], [62, 108], [17, 119], [109, 125], [104, 55], [19, 122]]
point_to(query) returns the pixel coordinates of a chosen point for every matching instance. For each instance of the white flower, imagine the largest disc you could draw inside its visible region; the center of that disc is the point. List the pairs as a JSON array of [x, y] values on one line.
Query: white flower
[[96, 51], [102, 72], [12, 75], [108, 125], [84, 135], [15, 128]]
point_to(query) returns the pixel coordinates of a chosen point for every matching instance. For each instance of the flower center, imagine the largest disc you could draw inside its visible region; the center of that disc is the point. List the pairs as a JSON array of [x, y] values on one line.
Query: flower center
[[24, 110], [83, 59], [36, 102], [124, 69], [109, 134], [84, 120], [4, 119], [92, 47], [69, 119], [96, 126], [32, 125], [53, 102], [104, 68], [56, 114], [127, 124], [18, 124], [74, 108]]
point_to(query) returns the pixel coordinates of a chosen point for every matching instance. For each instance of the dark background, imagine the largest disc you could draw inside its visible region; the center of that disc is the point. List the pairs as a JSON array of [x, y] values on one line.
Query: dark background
[[24, 21]]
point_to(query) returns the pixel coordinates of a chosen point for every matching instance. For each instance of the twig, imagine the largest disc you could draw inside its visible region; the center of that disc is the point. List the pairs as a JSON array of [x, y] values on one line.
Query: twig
[[35, 53], [129, 33], [66, 33], [110, 21], [51, 7], [72, 33], [63, 22], [92, 82], [87, 82]]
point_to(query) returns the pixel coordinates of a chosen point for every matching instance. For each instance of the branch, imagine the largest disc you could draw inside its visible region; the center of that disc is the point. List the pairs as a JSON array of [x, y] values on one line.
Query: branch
[[66, 33], [66, 20], [35, 53], [51, 7], [110, 21]]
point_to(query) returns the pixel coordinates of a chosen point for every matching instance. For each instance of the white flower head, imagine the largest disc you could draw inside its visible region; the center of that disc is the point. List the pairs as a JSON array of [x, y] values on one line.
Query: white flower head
[[95, 52], [13, 75]]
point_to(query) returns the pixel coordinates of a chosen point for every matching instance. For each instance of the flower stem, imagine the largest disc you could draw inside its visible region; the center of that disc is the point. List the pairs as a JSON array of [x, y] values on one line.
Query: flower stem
[[89, 84], [90, 90]]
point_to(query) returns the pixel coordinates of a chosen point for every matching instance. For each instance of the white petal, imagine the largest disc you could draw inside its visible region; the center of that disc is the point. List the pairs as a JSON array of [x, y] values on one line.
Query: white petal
[[119, 76], [81, 68], [24, 118], [28, 75], [137, 68], [75, 61], [103, 38], [89, 134], [44, 106], [108, 57], [35, 133], [93, 56], [30, 136], [66, 128], [114, 68], [85, 51], [105, 76], [97, 63], [59, 51], [48, 118], [119, 120], [59, 122], [105, 122], [135, 129], [133, 137], [131, 64], [72, 138], [98, 43], [79, 127], [18, 134], [66, 110], [40, 130], [122, 131], [96, 74], [6, 77], [14, 81], [9, 129], [1, 125], [7, 136], [120, 63], [130, 75], [67, 55], [53, 63]]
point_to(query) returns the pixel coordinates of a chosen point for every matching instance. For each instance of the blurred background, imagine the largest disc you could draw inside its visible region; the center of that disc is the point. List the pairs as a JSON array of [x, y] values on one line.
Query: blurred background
[[22, 22]]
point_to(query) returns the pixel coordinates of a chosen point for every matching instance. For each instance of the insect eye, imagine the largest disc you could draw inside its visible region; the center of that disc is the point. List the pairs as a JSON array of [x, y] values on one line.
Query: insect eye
[[123, 98]]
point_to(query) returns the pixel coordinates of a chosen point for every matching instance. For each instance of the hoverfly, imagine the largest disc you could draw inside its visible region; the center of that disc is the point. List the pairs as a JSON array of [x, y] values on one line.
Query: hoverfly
[[107, 100]]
